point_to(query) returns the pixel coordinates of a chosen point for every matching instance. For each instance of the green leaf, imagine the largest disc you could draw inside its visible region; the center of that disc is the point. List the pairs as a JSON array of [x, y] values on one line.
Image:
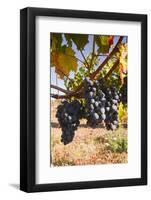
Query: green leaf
[[56, 40], [68, 39], [82, 70], [103, 44], [80, 40]]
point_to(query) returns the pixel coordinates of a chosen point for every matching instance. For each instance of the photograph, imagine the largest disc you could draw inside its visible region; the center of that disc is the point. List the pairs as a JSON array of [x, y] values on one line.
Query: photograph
[[88, 99], [83, 99]]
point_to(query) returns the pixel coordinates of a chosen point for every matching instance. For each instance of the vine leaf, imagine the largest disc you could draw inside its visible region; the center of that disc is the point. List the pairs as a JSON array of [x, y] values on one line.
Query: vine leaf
[[68, 39], [123, 61], [64, 61], [104, 43], [110, 40], [56, 40], [80, 40]]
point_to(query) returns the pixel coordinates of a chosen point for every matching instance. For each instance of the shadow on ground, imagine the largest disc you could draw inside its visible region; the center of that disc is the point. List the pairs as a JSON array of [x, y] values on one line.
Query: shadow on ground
[[56, 125], [15, 185]]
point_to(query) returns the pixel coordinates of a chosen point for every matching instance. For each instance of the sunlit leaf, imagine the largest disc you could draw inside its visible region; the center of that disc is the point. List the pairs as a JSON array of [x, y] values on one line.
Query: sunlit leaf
[[122, 113], [64, 61], [103, 44], [123, 61]]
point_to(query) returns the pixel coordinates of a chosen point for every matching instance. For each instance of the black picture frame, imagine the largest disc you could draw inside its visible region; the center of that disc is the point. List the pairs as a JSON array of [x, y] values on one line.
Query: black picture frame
[[28, 99]]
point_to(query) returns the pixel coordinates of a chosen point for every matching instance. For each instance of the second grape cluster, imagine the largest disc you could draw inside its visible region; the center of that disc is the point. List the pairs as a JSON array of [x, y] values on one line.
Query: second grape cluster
[[101, 104]]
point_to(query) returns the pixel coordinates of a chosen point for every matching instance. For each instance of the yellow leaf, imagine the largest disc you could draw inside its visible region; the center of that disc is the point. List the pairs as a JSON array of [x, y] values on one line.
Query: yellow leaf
[[123, 61], [64, 62], [122, 113]]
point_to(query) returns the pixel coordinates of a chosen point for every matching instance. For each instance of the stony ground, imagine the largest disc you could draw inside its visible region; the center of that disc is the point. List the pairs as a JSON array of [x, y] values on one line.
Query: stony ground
[[89, 146]]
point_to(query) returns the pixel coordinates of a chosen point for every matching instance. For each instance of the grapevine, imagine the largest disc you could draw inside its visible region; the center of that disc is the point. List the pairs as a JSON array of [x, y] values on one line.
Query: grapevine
[[92, 94]]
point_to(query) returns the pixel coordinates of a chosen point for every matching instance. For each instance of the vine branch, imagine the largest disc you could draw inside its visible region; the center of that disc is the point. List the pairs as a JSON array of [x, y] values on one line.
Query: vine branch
[[114, 50], [84, 58], [111, 70], [60, 89], [67, 96], [93, 49]]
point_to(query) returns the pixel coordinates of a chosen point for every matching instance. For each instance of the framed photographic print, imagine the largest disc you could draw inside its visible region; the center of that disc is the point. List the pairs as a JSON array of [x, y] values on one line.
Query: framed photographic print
[[83, 99]]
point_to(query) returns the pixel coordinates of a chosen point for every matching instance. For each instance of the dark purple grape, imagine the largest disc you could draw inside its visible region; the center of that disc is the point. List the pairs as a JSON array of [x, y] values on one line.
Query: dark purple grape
[[68, 114]]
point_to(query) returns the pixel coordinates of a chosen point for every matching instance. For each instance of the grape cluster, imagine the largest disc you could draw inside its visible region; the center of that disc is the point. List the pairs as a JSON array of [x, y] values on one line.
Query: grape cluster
[[95, 103], [101, 104], [123, 92], [112, 99], [68, 115]]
